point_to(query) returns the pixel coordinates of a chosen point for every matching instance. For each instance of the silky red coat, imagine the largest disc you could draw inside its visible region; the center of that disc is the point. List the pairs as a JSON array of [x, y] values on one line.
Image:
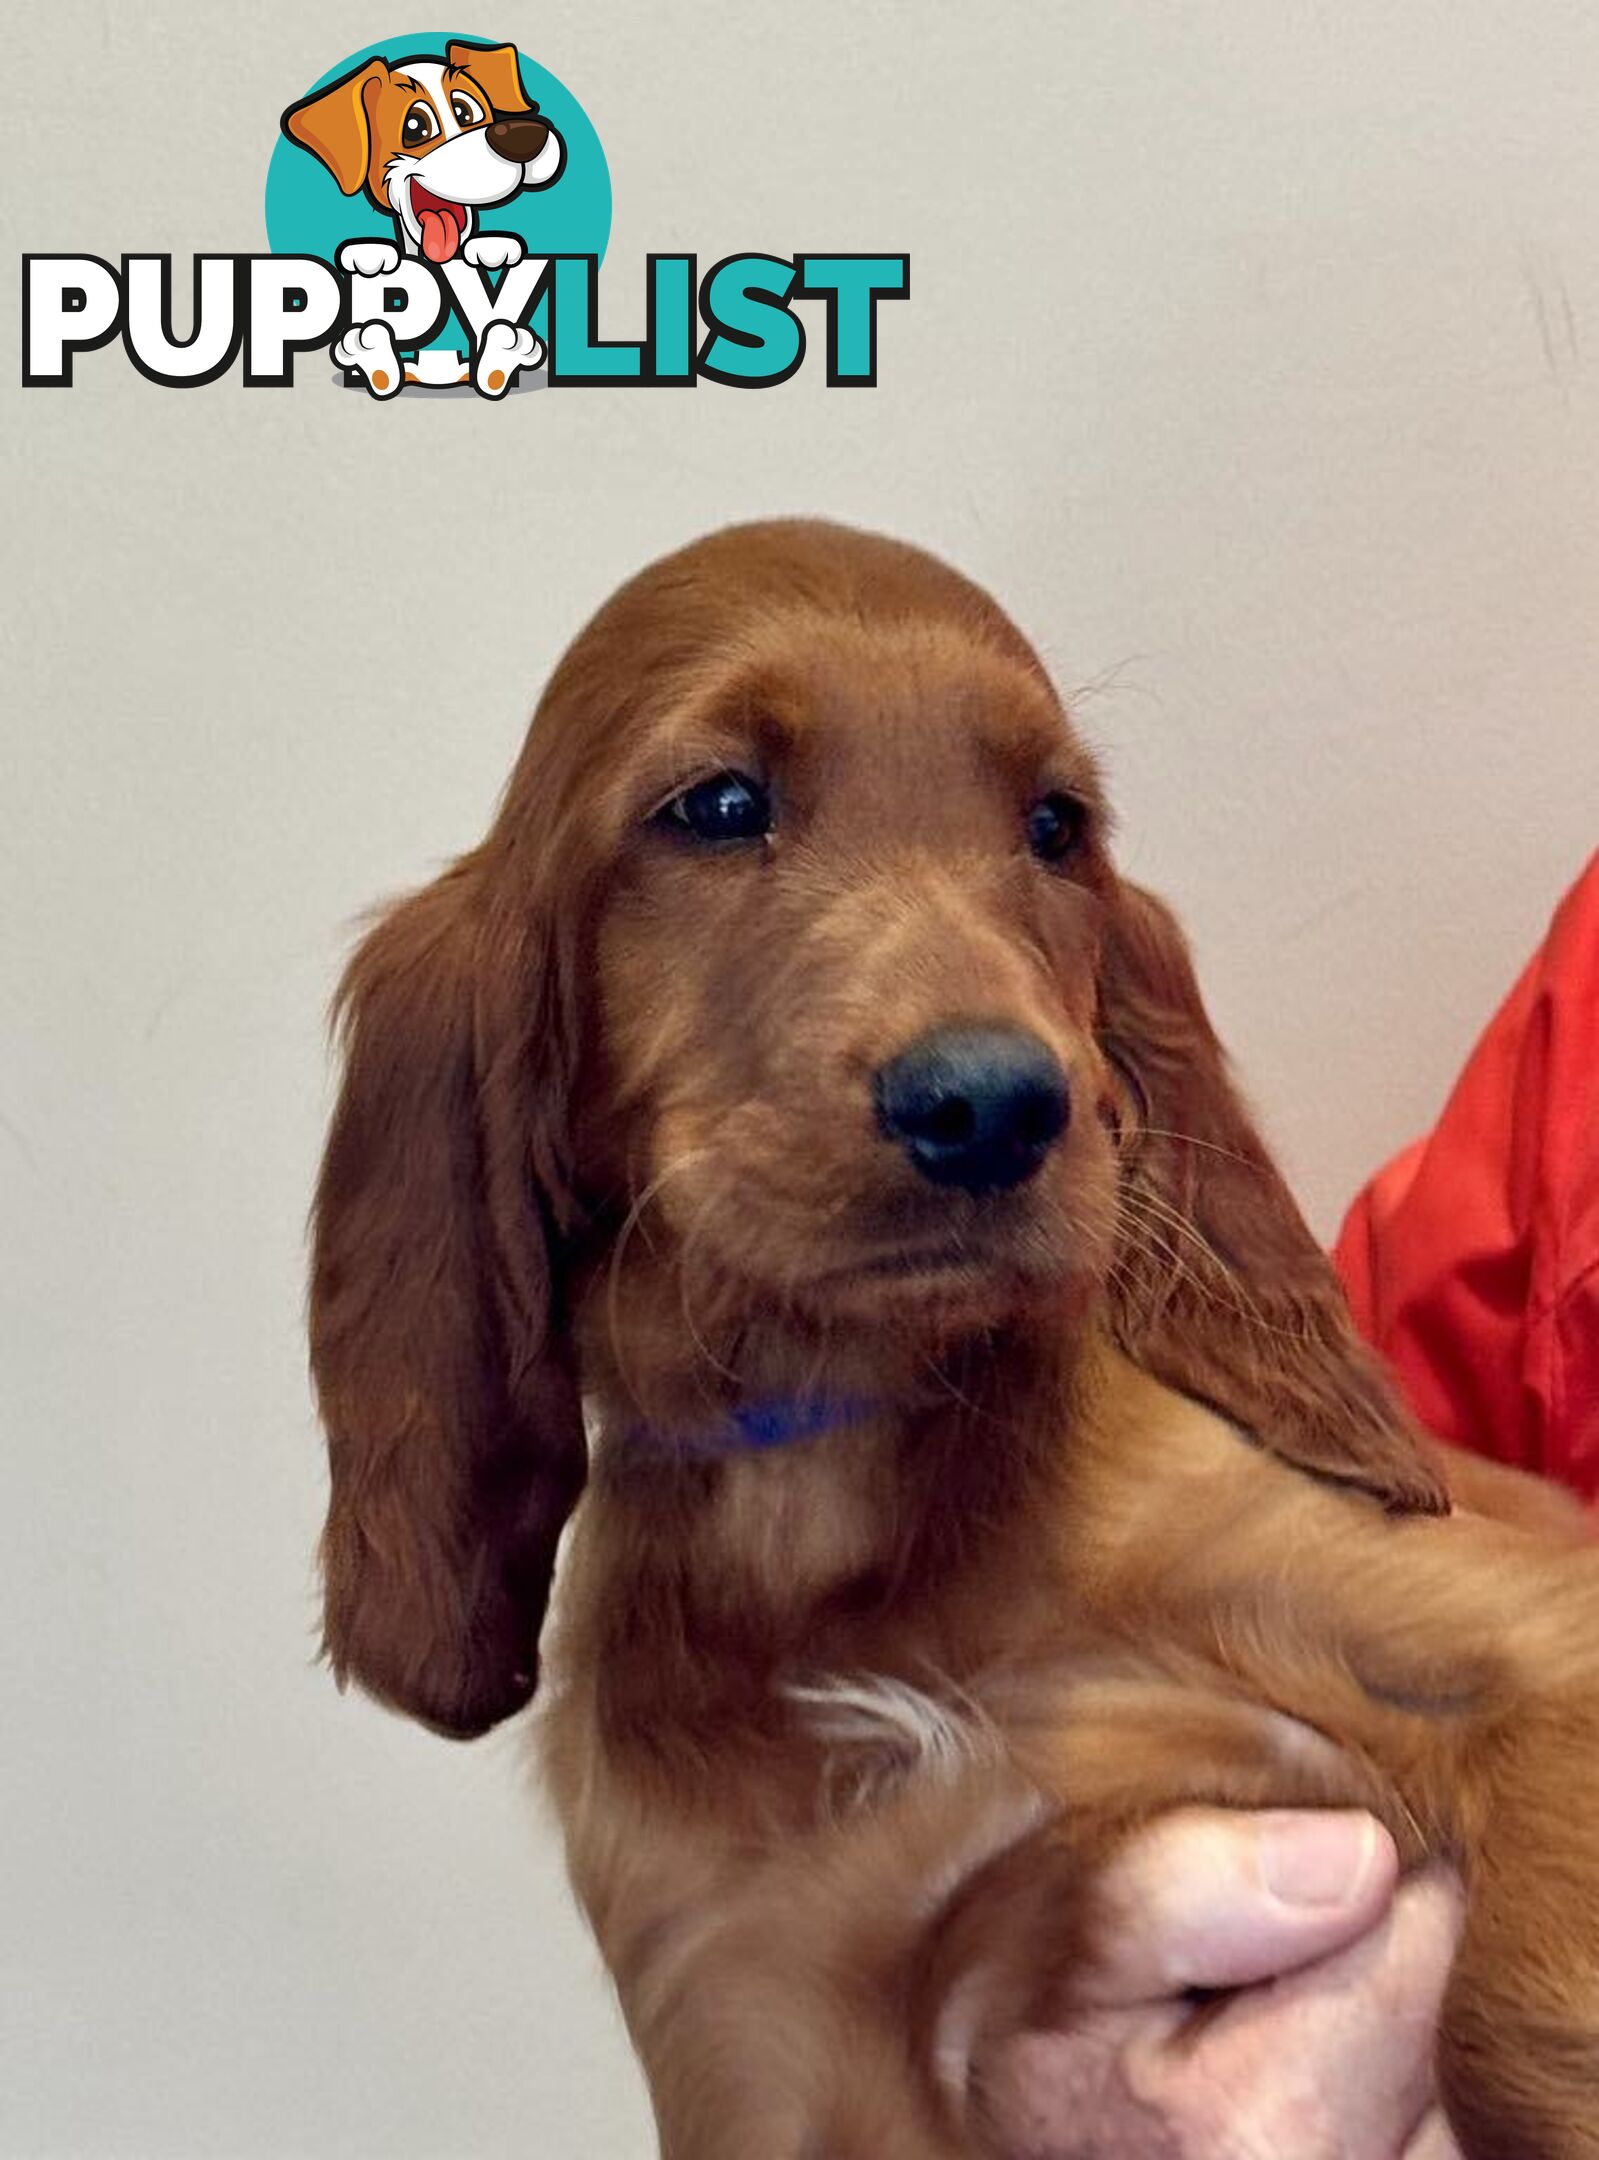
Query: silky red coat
[[841, 1735]]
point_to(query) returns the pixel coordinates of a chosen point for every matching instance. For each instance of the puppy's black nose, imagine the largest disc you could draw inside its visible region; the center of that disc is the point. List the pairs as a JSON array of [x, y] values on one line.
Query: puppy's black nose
[[977, 1107], [520, 137]]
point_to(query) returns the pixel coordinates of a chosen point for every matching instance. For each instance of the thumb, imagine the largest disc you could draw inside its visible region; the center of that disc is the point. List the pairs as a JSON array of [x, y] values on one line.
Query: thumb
[[1212, 1898]]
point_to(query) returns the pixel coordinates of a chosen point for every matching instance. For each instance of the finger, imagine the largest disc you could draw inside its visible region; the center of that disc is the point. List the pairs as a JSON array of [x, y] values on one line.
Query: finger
[[1334, 2059], [1433, 2141], [1064, 2096], [1208, 1898]]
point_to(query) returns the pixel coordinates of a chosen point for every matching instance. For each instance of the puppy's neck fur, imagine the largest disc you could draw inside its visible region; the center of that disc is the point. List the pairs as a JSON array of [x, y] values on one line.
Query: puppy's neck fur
[[702, 1582]]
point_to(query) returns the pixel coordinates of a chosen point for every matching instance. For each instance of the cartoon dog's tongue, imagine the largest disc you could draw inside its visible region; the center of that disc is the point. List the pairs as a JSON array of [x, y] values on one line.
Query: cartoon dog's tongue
[[442, 223], [438, 236]]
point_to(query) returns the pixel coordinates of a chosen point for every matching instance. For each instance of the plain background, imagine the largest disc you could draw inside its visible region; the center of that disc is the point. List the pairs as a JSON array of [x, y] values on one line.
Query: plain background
[[1250, 358]]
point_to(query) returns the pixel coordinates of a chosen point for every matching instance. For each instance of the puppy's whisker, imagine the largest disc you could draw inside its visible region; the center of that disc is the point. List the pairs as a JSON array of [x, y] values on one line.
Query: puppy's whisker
[[1183, 1271], [1167, 1214], [1142, 1237], [613, 1273], [1211, 1147], [701, 1216]]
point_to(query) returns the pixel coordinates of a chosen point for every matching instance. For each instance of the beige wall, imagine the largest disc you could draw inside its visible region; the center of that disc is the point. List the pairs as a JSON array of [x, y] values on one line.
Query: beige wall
[[1251, 358]]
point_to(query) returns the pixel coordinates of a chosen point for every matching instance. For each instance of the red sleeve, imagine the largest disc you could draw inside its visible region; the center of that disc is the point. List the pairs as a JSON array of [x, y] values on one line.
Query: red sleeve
[[1472, 1259]]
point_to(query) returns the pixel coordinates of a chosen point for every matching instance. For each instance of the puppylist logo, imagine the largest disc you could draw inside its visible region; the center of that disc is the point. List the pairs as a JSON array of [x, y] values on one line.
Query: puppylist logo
[[437, 211]]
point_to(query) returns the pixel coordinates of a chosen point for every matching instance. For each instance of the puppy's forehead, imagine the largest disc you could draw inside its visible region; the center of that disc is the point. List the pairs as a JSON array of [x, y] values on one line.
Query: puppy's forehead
[[797, 647], [828, 693], [425, 79]]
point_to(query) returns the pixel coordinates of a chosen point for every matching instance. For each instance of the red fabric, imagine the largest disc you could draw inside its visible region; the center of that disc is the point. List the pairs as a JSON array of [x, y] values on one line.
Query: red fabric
[[1472, 1259]]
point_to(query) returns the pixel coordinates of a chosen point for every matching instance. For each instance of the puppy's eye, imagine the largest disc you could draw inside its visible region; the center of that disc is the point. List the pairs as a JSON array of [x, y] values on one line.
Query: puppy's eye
[[420, 126], [1056, 825], [465, 109], [728, 806]]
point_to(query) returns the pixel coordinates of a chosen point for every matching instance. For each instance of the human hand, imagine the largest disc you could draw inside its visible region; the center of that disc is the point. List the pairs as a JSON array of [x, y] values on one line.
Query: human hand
[[1324, 2053]]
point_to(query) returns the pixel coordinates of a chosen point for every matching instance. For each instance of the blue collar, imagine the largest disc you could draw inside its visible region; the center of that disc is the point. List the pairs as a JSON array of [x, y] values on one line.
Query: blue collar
[[774, 1421]]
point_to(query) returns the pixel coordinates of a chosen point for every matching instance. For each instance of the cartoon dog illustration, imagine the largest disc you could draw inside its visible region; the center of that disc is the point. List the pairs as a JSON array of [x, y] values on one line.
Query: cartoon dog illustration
[[433, 140]]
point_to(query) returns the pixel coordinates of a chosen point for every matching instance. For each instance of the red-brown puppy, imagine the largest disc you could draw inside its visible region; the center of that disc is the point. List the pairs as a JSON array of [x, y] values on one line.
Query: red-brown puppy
[[984, 1458]]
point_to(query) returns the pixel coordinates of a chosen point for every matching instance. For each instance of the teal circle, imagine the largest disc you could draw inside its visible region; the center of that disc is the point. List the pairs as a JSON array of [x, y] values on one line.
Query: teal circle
[[308, 214]]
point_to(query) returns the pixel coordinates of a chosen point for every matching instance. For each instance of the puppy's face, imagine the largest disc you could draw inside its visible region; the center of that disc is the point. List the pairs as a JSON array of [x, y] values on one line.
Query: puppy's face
[[431, 140], [846, 964], [432, 156], [786, 965]]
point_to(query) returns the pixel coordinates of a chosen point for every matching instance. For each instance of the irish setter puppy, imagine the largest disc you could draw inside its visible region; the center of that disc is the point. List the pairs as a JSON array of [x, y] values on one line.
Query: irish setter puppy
[[790, 1095]]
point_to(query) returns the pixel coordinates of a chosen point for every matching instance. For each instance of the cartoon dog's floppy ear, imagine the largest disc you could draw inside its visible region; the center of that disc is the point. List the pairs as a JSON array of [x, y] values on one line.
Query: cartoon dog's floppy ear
[[1220, 1290], [335, 124], [493, 68], [455, 1436]]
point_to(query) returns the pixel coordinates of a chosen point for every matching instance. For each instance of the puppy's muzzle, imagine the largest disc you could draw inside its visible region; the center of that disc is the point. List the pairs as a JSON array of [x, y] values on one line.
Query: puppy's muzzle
[[974, 1107], [519, 137]]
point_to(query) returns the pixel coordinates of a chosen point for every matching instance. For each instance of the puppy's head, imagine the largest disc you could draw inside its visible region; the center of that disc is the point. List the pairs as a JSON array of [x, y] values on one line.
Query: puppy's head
[[430, 140], [846, 957], [794, 967]]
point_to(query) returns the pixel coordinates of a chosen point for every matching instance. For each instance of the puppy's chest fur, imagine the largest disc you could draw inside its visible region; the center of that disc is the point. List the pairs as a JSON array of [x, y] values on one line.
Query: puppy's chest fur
[[792, 1526], [789, 1690]]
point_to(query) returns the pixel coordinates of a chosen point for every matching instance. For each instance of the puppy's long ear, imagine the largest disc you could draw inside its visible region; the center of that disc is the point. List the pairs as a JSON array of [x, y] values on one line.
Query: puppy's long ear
[[336, 126], [1220, 1289], [454, 1431]]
